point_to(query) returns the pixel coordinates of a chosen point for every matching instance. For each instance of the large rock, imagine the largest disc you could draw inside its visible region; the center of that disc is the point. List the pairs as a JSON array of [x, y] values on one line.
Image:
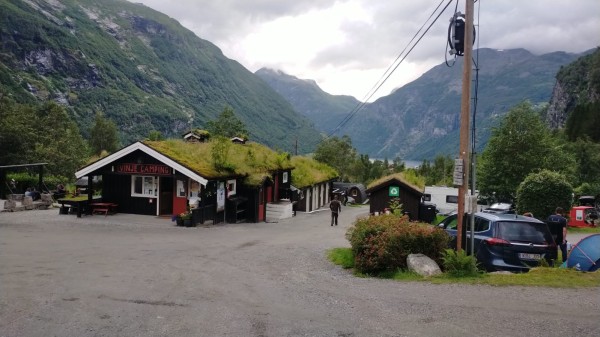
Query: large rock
[[9, 205], [27, 202], [422, 265]]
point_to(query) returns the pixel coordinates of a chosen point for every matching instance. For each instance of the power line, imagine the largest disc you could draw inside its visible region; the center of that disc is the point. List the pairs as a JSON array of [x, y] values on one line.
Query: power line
[[385, 77]]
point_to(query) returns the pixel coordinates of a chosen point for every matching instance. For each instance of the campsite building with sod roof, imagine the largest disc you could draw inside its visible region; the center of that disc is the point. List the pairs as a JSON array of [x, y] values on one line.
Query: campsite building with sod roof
[[382, 191], [231, 182], [312, 184]]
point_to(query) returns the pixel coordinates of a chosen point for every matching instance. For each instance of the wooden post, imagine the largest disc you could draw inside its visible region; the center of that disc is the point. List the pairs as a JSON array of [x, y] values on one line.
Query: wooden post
[[464, 119]]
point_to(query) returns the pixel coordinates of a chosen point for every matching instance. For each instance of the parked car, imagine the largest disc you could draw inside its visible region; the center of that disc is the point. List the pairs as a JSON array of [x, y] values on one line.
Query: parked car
[[505, 241]]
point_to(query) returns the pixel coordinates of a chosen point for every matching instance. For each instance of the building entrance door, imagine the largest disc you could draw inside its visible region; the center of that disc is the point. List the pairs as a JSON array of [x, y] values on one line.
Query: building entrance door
[[166, 196]]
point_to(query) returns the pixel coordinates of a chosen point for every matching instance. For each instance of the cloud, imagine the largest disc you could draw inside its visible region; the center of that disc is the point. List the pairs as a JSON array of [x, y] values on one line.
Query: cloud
[[346, 45]]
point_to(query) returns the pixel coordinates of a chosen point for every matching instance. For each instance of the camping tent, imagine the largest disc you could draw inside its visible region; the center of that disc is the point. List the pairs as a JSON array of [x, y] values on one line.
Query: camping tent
[[586, 254]]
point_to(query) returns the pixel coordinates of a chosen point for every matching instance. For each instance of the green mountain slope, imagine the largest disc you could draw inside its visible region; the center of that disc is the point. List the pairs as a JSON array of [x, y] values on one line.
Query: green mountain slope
[[307, 97], [421, 119], [138, 66]]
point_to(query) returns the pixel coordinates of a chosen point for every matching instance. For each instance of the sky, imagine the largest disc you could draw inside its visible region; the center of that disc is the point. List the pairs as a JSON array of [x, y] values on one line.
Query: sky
[[347, 46]]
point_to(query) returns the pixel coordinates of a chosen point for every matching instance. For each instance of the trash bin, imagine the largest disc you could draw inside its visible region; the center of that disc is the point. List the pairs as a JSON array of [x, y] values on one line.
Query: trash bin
[[427, 212]]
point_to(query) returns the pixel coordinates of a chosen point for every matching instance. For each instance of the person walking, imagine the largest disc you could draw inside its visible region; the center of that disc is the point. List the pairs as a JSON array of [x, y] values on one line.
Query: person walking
[[557, 223], [336, 208]]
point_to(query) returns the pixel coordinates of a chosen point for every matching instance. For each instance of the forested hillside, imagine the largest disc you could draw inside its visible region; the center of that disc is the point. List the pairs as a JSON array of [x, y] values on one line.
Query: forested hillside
[[575, 103], [421, 119], [142, 69]]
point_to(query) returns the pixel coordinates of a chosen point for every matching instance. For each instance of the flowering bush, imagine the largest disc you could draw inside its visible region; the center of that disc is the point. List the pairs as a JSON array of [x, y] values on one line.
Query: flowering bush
[[185, 215], [382, 243]]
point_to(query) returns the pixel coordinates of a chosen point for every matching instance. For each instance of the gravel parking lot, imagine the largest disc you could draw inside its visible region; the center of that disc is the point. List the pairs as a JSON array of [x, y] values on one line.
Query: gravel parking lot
[[127, 275]]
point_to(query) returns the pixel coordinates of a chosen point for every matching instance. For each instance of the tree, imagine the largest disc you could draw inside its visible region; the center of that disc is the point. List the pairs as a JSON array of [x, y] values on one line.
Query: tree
[[540, 193], [103, 135], [227, 125], [155, 135], [17, 132], [59, 142], [520, 145], [220, 152], [587, 157], [339, 154]]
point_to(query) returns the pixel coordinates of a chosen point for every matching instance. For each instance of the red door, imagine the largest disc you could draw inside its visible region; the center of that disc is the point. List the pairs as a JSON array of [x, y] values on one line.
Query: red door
[[179, 201], [276, 191], [270, 193]]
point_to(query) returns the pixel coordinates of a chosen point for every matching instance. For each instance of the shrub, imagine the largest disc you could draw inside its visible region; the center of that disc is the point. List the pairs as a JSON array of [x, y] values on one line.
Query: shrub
[[382, 243], [540, 193], [459, 264]]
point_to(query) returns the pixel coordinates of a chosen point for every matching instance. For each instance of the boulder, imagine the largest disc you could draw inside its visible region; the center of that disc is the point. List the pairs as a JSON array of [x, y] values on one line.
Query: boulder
[[422, 265], [46, 198], [27, 202], [10, 205]]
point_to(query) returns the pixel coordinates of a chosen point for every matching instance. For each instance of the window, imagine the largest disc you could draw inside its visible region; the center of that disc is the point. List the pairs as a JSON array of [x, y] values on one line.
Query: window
[[452, 199], [536, 233], [144, 186], [231, 190], [481, 224], [451, 222]]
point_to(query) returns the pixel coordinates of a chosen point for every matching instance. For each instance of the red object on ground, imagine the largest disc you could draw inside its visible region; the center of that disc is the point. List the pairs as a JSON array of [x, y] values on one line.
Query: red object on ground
[[579, 216]]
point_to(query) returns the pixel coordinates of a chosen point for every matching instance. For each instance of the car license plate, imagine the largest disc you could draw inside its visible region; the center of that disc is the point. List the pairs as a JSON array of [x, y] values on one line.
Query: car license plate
[[527, 256]]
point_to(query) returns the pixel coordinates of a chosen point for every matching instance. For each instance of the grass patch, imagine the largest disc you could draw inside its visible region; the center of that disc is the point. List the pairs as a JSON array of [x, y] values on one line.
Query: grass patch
[[438, 219], [584, 230], [537, 277], [342, 257]]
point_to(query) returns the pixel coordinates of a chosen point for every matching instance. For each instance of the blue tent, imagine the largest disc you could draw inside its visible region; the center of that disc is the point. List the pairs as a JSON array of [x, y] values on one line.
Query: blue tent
[[586, 253]]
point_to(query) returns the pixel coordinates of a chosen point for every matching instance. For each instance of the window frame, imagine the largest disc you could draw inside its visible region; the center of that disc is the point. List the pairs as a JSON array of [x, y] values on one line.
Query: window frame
[[153, 189]]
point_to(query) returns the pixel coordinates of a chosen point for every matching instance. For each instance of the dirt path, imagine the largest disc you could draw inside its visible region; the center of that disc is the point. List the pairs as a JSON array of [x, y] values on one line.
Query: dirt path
[[126, 275]]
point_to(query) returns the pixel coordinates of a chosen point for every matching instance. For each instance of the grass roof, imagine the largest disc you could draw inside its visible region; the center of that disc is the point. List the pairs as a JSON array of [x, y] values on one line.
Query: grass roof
[[252, 160], [417, 183], [308, 171]]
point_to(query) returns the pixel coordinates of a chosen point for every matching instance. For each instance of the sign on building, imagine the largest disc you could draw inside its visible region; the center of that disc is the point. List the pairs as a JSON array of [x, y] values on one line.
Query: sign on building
[[394, 191]]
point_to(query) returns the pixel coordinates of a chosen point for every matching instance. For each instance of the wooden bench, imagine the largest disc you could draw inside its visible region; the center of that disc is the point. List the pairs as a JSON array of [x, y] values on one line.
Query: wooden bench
[[104, 207]]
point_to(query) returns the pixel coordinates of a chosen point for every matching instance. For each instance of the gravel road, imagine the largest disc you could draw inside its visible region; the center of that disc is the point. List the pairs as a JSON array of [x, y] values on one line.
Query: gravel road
[[127, 275]]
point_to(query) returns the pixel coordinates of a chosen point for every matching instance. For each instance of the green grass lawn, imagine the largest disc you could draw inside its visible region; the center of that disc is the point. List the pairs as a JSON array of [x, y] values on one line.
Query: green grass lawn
[[584, 230], [536, 277]]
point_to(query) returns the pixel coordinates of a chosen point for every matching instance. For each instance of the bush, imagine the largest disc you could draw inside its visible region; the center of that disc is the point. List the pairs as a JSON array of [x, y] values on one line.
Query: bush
[[26, 179], [382, 243], [459, 264], [540, 193]]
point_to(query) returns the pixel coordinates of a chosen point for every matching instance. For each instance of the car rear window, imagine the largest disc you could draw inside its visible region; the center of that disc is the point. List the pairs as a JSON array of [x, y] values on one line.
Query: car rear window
[[532, 232]]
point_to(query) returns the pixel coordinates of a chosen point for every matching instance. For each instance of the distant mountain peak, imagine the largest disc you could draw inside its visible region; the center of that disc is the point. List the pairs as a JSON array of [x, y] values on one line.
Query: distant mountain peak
[[420, 119]]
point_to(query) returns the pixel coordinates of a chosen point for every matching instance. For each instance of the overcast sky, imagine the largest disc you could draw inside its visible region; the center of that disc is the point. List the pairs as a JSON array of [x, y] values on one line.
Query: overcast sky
[[347, 45]]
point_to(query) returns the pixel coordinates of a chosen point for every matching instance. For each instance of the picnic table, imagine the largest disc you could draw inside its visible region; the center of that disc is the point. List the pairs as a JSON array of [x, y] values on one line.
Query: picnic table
[[104, 207], [79, 203]]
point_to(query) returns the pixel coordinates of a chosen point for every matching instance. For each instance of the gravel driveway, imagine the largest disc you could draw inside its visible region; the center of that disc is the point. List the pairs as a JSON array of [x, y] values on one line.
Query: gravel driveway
[[127, 275]]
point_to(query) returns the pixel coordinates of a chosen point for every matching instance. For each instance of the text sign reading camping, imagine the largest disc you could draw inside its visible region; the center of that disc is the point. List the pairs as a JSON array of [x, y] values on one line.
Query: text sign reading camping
[[150, 169]]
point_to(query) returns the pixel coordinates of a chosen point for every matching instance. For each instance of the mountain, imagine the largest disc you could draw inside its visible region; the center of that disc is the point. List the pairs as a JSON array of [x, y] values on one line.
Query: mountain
[[577, 86], [421, 119], [324, 109], [139, 67]]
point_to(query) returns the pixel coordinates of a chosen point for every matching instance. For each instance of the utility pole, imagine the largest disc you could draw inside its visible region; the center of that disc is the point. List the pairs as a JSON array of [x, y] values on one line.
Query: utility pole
[[465, 112]]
